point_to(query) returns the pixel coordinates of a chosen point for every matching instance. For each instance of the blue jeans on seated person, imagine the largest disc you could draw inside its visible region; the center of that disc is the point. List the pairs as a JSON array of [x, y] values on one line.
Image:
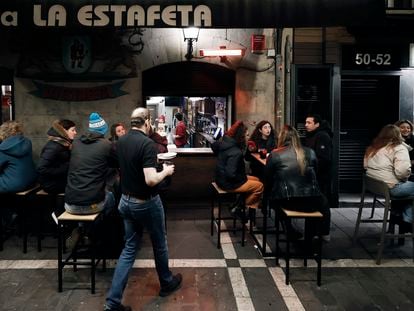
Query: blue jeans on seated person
[[107, 205], [137, 215], [404, 190]]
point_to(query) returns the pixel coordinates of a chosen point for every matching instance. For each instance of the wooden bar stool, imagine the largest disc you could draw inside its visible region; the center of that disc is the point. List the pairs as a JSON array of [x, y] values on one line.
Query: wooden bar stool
[[288, 215], [22, 201], [380, 190], [218, 195], [53, 202], [71, 259], [264, 231]]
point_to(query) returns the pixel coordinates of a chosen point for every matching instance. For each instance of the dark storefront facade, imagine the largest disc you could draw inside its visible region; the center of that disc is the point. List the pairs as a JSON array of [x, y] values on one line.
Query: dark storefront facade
[[347, 60]]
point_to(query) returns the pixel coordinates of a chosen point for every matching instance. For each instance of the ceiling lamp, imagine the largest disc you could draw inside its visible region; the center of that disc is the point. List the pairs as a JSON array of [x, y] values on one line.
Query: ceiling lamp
[[190, 35]]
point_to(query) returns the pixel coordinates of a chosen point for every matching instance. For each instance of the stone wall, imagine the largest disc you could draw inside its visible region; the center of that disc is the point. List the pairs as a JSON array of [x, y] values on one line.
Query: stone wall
[[37, 114], [255, 82]]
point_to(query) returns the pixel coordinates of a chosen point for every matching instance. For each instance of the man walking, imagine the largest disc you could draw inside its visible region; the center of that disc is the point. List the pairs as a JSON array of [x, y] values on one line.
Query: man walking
[[141, 206]]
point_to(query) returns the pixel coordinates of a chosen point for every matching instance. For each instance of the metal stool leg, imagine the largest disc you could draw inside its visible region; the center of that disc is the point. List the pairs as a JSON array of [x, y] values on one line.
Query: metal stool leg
[[277, 240], [1, 232], [60, 251], [212, 216], [219, 224], [243, 223], [287, 255]]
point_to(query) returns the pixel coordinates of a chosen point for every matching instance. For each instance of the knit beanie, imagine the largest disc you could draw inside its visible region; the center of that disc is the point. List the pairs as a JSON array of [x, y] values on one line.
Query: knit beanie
[[97, 124], [66, 124]]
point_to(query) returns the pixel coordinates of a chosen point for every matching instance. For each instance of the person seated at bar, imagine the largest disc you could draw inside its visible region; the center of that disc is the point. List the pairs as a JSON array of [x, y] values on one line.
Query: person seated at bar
[[92, 156], [291, 180], [54, 159], [230, 174], [113, 179], [17, 169], [117, 130], [406, 128], [387, 159], [263, 141]]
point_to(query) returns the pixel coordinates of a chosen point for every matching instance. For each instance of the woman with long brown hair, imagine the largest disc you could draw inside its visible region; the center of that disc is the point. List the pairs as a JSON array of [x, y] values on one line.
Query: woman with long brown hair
[[387, 159], [263, 140], [291, 179]]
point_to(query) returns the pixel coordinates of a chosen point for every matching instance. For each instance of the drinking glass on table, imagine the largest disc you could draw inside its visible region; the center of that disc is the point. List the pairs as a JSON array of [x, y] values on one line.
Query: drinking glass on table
[[262, 153]]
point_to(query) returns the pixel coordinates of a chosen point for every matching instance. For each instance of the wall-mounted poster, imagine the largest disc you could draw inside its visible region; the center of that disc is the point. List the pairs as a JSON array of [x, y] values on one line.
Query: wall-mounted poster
[[76, 54]]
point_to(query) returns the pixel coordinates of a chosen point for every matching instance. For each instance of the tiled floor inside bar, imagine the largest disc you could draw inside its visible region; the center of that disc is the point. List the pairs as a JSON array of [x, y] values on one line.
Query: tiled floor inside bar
[[231, 278]]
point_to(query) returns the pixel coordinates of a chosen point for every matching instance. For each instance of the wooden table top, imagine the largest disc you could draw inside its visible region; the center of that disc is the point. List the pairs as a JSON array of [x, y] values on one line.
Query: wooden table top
[[258, 158]]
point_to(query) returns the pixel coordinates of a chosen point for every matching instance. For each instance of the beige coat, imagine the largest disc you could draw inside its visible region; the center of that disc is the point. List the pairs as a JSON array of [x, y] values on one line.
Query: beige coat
[[390, 164]]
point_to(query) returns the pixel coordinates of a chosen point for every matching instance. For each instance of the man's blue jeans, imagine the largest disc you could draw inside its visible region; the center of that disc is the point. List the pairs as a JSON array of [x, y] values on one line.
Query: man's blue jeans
[[402, 190], [107, 205], [136, 216]]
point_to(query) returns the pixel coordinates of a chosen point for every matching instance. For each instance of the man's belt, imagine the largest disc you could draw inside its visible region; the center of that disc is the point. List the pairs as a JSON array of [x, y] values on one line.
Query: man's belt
[[140, 197]]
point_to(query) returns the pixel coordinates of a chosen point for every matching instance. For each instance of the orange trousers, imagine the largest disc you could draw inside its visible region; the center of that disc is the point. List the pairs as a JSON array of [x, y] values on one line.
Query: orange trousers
[[253, 188]]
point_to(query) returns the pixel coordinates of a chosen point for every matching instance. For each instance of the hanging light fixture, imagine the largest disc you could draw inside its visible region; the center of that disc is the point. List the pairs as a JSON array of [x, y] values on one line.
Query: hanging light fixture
[[190, 35]]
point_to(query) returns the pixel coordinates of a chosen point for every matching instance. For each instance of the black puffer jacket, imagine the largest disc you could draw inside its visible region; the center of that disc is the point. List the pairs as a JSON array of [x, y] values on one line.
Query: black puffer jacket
[[230, 169], [54, 159], [92, 156], [283, 177], [320, 141]]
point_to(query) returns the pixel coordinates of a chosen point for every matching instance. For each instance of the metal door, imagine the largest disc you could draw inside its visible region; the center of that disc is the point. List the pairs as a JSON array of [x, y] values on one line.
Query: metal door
[[367, 104]]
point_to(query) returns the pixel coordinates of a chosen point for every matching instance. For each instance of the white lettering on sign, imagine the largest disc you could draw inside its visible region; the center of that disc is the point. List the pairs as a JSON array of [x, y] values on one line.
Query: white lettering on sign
[[116, 15], [153, 13], [56, 16], [135, 15], [202, 15], [8, 18], [380, 59]]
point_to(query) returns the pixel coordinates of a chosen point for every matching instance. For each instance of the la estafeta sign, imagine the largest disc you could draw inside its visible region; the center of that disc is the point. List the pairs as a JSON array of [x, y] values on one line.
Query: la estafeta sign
[[26, 14], [115, 16]]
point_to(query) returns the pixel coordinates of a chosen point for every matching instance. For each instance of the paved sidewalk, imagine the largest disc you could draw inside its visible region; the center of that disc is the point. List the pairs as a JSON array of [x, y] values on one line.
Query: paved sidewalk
[[231, 278]]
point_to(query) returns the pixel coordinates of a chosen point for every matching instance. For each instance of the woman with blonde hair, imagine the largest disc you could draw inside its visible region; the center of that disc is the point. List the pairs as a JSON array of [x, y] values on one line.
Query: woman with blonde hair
[[387, 159], [17, 170], [291, 179]]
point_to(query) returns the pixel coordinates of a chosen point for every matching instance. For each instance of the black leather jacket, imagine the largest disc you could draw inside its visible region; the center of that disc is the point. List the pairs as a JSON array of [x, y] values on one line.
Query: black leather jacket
[[283, 177]]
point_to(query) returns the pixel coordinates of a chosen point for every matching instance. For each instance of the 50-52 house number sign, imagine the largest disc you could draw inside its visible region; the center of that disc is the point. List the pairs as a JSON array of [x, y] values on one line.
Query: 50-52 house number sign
[[375, 58]]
